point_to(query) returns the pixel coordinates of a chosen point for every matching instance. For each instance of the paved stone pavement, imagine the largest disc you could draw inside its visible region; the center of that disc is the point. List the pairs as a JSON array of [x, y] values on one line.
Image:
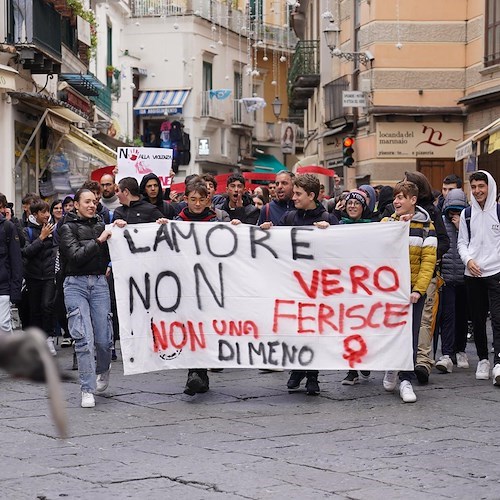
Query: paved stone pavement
[[248, 438]]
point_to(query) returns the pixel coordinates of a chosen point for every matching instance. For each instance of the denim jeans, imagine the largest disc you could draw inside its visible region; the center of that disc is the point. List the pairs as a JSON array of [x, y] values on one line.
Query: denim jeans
[[90, 325], [5, 319]]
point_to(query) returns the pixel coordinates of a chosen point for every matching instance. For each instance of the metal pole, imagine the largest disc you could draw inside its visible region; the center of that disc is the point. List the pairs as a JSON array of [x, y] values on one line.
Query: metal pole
[[33, 135]]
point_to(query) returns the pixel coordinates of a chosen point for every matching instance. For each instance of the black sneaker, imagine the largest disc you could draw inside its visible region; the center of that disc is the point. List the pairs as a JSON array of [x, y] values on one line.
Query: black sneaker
[[422, 374], [312, 386], [351, 378], [114, 357], [194, 383], [365, 375], [296, 377]]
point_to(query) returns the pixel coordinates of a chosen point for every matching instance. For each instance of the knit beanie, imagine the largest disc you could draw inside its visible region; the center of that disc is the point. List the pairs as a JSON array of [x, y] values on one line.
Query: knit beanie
[[358, 196]]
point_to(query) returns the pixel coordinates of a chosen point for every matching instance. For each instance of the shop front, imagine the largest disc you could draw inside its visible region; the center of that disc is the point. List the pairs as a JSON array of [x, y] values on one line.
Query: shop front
[[53, 157]]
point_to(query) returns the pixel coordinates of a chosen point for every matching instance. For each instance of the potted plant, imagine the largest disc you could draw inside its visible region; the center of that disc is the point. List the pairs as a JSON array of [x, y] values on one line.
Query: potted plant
[[109, 71]]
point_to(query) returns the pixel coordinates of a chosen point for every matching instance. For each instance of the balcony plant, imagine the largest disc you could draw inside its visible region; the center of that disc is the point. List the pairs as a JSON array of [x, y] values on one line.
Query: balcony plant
[[110, 71], [88, 15]]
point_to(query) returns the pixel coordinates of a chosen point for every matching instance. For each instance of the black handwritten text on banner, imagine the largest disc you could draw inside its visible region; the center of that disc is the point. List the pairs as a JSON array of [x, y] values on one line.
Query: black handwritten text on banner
[[201, 295]]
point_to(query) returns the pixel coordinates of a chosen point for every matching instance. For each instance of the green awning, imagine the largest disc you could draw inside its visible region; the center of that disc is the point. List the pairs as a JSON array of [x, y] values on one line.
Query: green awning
[[267, 164]]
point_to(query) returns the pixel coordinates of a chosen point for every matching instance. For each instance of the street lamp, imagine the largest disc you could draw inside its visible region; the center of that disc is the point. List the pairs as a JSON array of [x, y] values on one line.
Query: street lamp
[[277, 105], [332, 36]]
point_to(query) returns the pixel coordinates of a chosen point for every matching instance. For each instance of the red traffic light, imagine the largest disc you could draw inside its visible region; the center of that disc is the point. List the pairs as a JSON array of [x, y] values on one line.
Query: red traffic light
[[348, 142]]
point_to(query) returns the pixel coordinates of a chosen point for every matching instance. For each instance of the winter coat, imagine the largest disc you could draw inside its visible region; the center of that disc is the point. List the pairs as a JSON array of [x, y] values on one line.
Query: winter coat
[[80, 252], [452, 267], [274, 211], [248, 213], [423, 245], [164, 207], [11, 263], [137, 212], [307, 217], [435, 215], [385, 198], [39, 256]]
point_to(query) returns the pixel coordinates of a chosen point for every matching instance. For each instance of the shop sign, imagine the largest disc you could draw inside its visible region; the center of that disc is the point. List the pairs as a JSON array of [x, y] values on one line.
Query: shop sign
[[418, 140], [203, 147]]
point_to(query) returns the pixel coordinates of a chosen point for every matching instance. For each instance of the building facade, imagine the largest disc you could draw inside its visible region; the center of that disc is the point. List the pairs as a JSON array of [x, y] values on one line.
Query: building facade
[[416, 75]]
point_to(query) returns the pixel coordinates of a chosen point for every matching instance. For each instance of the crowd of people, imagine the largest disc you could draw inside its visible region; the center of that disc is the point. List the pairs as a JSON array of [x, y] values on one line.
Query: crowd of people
[[55, 264]]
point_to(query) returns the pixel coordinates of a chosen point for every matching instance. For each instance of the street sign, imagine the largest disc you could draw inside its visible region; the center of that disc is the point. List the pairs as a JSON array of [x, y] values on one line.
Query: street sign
[[353, 99]]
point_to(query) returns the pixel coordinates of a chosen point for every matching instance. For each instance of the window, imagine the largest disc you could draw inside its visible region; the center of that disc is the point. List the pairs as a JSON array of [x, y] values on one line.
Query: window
[[492, 42]]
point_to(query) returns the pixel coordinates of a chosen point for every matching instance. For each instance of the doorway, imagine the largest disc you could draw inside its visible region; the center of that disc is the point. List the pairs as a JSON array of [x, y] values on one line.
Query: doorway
[[437, 170]]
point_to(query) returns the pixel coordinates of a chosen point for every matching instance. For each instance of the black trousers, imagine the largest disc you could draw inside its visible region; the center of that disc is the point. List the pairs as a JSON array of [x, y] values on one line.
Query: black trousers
[[483, 294], [41, 295], [453, 319]]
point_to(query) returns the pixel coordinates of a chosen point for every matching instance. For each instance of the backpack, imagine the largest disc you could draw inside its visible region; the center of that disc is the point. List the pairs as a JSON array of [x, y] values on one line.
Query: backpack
[[468, 215]]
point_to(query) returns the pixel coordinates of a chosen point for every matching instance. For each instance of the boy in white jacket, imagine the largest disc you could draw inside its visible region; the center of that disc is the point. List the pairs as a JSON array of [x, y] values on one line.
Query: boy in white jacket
[[479, 248]]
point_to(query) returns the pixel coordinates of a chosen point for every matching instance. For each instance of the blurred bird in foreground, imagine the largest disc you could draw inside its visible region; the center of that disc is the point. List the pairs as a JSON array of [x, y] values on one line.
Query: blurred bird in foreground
[[26, 355]]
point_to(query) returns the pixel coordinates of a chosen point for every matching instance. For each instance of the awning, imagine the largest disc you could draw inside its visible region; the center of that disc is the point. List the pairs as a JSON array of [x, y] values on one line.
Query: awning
[[7, 78], [161, 102], [308, 160], [464, 149], [55, 106], [267, 163], [86, 84], [332, 131], [91, 146]]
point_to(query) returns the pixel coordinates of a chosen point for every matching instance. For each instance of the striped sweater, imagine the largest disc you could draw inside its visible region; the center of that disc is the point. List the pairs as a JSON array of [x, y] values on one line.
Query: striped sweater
[[423, 246]]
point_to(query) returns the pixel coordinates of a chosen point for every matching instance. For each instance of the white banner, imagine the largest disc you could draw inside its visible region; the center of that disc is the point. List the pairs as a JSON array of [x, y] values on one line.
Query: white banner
[[137, 162], [206, 295]]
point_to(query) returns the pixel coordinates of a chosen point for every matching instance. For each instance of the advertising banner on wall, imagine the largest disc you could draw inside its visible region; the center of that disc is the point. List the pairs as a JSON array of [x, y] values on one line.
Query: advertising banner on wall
[[418, 140]]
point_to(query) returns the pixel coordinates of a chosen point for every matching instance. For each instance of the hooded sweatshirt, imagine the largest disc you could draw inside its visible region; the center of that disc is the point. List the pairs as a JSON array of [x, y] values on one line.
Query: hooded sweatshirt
[[452, 267], [484, 243]]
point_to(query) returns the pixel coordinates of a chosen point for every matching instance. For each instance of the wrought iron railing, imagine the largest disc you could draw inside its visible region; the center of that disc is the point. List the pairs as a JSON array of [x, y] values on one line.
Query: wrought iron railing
[[220, 13], [241, 116], [33, 22], [305, 60], [103, 100]]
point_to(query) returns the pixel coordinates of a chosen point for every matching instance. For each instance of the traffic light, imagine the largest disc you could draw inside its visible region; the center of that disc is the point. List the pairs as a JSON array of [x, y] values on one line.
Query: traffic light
[[348, 151]]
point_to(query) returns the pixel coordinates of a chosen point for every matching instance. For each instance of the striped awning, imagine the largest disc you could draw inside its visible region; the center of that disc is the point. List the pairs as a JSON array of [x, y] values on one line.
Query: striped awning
[[161, 102]]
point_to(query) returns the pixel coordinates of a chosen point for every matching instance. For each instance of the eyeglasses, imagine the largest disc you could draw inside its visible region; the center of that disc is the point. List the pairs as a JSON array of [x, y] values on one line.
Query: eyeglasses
[[353, 203]]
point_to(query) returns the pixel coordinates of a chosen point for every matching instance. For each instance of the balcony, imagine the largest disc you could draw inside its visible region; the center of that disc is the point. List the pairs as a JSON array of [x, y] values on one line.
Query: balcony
[[158, 8], [34, 27], [242, 119], [334, 108], [212, 107], [304, 74], [103, 100]]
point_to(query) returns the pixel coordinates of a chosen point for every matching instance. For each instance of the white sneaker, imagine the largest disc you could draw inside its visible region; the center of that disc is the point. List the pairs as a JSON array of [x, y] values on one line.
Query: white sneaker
[[462, 360], [51, 346], [390, 381], [496, 374], [406, 392], [483, 370], [88, 400], [103, 380], [445, 364]]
